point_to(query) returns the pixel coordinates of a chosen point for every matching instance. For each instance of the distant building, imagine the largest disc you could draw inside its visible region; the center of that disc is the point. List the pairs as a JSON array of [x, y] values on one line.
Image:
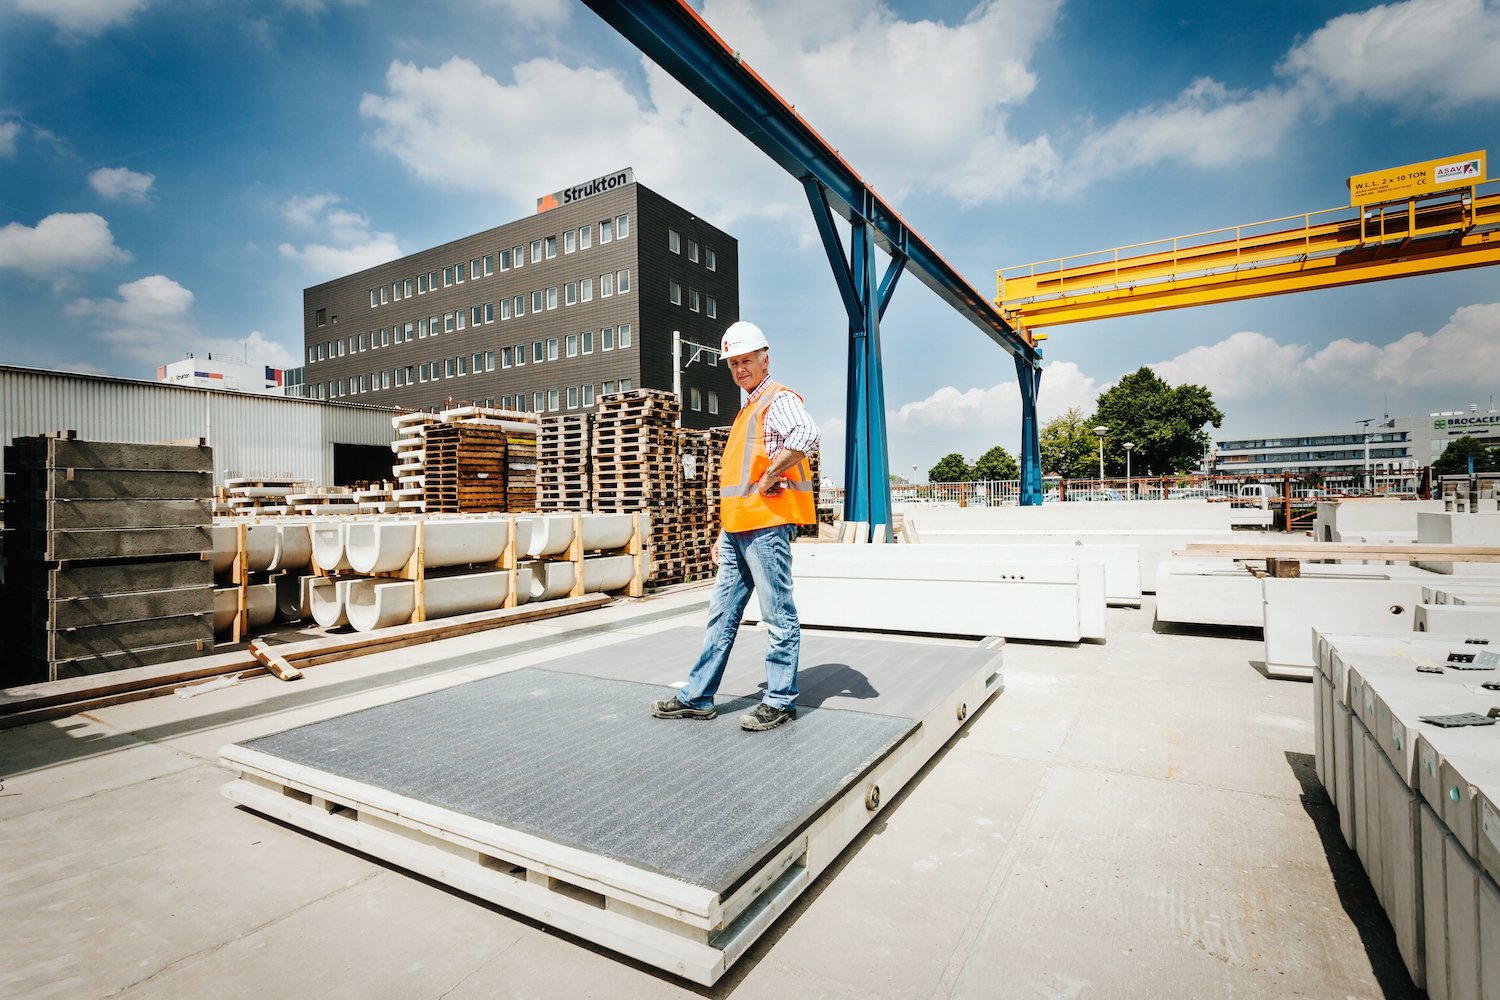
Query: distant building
[[209, 372], [1394, 445], [597, 292]]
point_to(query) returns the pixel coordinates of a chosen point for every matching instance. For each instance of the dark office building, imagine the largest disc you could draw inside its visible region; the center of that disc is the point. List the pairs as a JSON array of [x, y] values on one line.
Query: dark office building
[[546, 313]]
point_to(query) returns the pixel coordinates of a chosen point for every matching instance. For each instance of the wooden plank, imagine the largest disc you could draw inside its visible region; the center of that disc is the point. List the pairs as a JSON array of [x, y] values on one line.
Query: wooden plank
[[276, 664], [1344, 550]]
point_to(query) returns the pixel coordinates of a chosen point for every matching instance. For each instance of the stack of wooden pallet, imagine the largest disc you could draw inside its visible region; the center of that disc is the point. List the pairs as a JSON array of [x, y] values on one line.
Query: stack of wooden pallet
[[465, 468], [521, 469], [564, 472], [407, 465], [695, 525], [105, 556]]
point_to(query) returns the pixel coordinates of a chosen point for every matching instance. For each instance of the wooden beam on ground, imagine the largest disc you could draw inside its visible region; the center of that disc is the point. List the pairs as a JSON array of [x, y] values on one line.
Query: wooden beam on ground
[[274, 662], [59, 699], [1345, 550]]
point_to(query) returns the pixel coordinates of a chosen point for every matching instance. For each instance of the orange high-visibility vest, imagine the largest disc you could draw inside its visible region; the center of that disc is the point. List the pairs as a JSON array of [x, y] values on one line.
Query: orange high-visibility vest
[[742, 507]]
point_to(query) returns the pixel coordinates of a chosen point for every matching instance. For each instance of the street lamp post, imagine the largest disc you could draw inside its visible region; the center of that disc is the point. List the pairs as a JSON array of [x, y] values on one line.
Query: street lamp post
[[1101, 431], [1129, 447]]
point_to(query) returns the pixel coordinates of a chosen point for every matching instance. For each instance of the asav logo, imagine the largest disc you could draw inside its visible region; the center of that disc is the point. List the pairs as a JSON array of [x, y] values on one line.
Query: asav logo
[[1447, 172]]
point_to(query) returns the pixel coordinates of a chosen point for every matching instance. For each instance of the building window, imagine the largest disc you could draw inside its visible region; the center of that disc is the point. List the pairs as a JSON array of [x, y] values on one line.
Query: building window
[[421, 284], [588, 394], [710, 259], [587, 339], [606, 285], [622, 281], [507, 357], [406, 283], [518, 256], [519, 305], [585, 237], [447, 276], [674, 241], [695, 399], [693, 251], [312, 354], [489, 312], [424, 369], [458, 314], [505, 260], [552, 349], [586, 290], [570, 241], [536, 251], [475, 268], [489, 264], [552, 297], [551, 247], [458, 273], [447, 368], [693, 299], [321, 317], [713, 401], [674, 293], [536, 402], [572, 345], [625, 385], [385, 380], [607, 389], [552, 400], [320, 352], [606, 231], [489, 361], [374, 298], [432, 281], [400, 377], [476, 315], [520, 355], [622, 226], [411, 375], [433, 327], [607, 339], [711, 308], [421, 329], [504, 309], [536, 301], [396, 291], [622, 335], [538, 351], [572, 397], [570, 293], [448, 322], [383, 297]]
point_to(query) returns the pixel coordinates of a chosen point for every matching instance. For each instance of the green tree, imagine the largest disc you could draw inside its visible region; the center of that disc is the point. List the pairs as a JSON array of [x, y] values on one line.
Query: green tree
[[1166, 424], [1069, 448], [1454, 461], [951, 468], [996, 463]]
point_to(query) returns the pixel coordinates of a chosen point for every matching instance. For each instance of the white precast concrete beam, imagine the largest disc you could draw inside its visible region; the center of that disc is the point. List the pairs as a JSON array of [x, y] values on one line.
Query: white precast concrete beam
[[1444, 593], [375, 603], [1459, 619], [261, 541], [226, 546], [1459, 529], [379, 546], [896, 588], [328, 539], [609, 531], [1122, 563], [463, 543], [468, 592], [1208, 592]]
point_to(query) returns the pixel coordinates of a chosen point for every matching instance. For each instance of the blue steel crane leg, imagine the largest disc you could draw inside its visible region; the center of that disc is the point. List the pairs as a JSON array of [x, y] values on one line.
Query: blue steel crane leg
[[1029, 376]]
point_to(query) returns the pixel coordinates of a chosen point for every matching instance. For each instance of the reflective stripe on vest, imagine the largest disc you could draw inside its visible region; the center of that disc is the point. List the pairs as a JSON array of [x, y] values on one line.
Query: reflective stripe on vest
[[741, 506]]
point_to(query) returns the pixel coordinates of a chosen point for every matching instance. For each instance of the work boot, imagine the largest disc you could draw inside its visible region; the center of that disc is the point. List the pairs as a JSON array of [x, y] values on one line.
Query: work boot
[[671, 708], [767, 717]]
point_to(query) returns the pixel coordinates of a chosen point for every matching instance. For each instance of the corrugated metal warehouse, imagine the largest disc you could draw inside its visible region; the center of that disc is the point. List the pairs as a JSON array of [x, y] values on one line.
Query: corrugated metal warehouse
[[271, 436]]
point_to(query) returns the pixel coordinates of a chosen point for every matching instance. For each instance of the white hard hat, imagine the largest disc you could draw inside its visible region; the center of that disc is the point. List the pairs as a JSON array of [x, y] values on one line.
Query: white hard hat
[[742, 338]]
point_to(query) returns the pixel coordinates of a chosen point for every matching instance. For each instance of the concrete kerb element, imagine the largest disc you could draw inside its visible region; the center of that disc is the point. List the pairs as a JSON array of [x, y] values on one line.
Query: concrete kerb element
[[328, 541], [550, 580], [607, 573], [293, 546], [261, 604], [375, 603], [551, 535], [327, 600]]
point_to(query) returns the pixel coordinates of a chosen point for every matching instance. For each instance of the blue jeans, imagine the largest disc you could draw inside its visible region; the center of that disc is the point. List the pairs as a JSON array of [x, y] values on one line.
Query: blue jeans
[[749, 561]]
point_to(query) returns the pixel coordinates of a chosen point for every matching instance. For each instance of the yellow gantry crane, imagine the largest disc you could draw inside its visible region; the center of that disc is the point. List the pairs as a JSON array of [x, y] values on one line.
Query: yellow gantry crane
[[1423, 218]]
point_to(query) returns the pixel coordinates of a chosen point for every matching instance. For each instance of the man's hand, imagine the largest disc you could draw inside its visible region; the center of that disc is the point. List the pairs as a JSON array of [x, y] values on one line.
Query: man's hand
[[714, 552], [770, 485]]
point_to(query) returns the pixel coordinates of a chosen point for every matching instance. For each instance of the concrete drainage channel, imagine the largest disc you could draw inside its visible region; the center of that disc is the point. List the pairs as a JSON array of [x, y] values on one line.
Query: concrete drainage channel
[[377, 573]]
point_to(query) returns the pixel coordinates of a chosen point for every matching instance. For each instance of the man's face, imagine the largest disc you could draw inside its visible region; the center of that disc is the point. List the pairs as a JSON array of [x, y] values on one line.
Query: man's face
[[748, 369]]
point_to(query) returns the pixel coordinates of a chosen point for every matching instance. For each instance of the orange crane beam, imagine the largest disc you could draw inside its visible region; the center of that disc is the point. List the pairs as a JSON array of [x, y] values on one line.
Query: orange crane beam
[[1451, 231]]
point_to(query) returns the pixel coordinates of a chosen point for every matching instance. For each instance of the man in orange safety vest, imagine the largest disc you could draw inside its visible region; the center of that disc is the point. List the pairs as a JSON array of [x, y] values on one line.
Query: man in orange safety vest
[[765, 491]]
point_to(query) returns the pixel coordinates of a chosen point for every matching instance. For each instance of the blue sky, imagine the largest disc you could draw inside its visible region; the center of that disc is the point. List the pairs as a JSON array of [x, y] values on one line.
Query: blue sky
[[174, 172]]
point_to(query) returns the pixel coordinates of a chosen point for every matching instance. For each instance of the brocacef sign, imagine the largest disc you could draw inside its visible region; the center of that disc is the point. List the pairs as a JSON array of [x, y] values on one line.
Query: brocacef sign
[[588, 189], [1417, 179]]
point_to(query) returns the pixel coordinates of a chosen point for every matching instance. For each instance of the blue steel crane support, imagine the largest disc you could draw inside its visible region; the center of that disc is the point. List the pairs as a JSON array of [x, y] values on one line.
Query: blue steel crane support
[[674, 36]]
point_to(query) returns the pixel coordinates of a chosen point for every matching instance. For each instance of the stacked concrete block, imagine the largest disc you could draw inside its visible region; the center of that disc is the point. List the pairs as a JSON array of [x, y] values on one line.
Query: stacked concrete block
[[105, 553], [1419, 801]]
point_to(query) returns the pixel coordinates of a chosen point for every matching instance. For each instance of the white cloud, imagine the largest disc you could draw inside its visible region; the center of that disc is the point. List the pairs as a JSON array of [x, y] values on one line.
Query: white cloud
[[121, 184], [82, 17], [1461, 355], [349, 244], [9, 132], [1064, 385], [151, 321], [531, 12], [60, 245], [1421, 53]]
